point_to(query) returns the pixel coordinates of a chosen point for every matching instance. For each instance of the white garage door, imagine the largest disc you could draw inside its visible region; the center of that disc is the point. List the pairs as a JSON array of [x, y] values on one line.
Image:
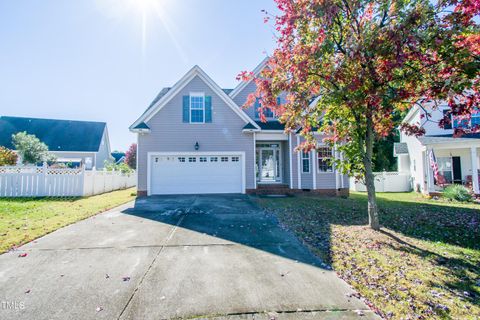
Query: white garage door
[[196, 174]]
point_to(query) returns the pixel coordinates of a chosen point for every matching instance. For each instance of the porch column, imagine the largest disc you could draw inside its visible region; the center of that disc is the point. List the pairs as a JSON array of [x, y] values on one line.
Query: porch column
[[430, 181], [337, 180], [473, 152], [255, 168]]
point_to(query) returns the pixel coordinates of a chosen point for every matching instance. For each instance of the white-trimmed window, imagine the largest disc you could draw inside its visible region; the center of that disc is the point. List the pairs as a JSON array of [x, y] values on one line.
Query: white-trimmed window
[[324, 155], [192, 159], [181, 159], [213, 159], [197, 107], [235, 159], [224, 159], [475, 118], [203, 159], [305, 162]]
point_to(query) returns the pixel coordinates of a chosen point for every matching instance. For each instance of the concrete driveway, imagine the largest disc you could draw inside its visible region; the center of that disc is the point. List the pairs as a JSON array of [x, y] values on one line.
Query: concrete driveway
[[169, 257]]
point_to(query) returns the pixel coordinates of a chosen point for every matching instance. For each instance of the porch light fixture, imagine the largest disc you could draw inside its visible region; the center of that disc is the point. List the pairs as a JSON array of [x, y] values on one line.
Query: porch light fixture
[[197, 146]]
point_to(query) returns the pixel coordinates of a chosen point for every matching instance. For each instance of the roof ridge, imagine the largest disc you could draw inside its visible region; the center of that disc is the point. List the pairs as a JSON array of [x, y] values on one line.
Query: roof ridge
[[50, 119]]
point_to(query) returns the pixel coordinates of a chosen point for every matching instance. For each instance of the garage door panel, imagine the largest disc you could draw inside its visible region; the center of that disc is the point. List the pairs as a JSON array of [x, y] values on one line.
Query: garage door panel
[[186, 174]]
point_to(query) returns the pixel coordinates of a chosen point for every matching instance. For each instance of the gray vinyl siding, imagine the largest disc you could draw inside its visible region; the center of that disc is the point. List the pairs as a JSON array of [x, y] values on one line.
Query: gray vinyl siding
[[306, 178], [324, 180], [103, 153], [169, 134], [242, 96]]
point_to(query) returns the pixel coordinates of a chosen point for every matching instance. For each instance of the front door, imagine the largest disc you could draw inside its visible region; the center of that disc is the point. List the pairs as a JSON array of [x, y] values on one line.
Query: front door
[[269, 163]]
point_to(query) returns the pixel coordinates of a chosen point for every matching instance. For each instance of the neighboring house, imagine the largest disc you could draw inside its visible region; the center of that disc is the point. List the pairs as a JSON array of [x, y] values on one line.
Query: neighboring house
[[75, 142], [196, 138], [118, 157], [457, 158]]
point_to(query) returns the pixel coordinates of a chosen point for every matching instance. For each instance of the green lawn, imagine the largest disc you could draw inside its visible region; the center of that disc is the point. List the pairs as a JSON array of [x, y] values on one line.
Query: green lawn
[[25, 219], [424, 263]]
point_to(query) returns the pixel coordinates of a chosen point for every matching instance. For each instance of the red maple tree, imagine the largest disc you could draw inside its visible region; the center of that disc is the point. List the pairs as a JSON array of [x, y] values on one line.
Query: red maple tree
[[366, 63]]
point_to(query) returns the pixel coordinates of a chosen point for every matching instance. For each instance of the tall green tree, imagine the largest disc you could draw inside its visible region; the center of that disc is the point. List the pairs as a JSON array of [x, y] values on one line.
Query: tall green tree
[[368, 62], [31, 149]]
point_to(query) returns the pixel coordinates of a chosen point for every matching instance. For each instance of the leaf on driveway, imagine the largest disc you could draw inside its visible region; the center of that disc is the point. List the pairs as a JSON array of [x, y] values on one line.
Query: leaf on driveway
[[22, 255], [126, 278], [99, 308]]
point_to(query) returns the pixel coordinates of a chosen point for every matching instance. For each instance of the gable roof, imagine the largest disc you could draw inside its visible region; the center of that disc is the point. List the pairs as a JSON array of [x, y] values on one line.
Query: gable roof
[[141, 125], [243, 84], [166, 94], [271, 125], [58, 135], [118, 156]]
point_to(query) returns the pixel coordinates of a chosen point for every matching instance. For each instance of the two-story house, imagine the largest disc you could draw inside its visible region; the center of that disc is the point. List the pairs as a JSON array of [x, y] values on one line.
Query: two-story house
[[456, 157], [196, 138]]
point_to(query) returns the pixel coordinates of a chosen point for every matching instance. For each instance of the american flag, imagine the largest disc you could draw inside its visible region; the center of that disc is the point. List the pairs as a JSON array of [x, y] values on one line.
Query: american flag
[[434, 165]]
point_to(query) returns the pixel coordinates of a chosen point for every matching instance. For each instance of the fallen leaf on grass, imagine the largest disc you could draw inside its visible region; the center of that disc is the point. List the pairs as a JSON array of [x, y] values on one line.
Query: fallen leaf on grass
[[98, 309]]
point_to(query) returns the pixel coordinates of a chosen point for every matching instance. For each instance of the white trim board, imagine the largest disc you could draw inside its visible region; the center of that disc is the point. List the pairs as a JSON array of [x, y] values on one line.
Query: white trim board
[[189, 76], [290, 156]]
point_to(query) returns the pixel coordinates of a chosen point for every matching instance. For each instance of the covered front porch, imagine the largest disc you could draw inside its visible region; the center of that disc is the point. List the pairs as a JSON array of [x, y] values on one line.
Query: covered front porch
[[272, 163], [458, 163]]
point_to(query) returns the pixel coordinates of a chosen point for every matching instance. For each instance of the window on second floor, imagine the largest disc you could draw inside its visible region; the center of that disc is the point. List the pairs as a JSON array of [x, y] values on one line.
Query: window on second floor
[[447, 125], [267, 112], [197, 108], [476, 119], [463, 123]]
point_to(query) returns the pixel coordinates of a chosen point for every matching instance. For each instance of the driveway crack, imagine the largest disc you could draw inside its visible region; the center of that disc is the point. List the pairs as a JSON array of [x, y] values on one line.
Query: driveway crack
[[276, 313], [151, 265]]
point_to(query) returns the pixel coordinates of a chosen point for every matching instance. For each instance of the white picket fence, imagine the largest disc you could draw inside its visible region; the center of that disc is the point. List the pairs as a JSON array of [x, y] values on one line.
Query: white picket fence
[[28, 181], [386, 182]]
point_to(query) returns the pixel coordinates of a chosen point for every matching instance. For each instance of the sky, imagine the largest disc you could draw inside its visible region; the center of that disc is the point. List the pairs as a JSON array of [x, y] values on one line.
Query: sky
[[105, 60]]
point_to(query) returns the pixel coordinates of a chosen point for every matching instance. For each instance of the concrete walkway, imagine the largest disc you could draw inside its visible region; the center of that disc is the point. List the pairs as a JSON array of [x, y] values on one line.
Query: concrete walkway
[[215, 257]]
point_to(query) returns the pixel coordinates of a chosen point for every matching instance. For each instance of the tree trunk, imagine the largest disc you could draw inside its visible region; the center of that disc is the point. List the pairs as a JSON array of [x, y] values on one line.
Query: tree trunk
[[373, 220]]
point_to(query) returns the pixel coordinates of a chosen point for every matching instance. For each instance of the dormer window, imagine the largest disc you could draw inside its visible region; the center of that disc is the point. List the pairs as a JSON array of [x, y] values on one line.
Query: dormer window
[[447, 125], [463, 123], [197, 108], [267, 112], [476, 119]]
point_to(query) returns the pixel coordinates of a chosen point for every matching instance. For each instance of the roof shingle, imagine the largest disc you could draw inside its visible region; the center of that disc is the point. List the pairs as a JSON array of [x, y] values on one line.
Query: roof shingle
[[58, 135]]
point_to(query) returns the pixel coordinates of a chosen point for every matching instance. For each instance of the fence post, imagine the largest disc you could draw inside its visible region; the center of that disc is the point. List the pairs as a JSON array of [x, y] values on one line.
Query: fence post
[[44, 182], [81, 189], [94, 174]]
